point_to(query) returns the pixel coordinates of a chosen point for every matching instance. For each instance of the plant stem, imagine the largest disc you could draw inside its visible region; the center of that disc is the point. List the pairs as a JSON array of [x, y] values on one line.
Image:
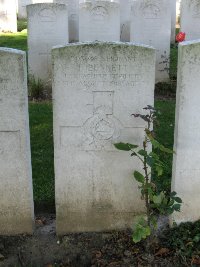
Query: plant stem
[[146, 181]]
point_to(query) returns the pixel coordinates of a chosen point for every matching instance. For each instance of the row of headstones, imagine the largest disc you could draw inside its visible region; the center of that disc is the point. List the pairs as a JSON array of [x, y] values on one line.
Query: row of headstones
[[96, 86], [73, 6], [99, 20]]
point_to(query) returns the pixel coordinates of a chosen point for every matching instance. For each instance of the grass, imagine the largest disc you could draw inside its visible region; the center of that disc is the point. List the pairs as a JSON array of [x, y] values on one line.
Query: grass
[[16, 40], [41, 130], [165, 135], [21, 24]]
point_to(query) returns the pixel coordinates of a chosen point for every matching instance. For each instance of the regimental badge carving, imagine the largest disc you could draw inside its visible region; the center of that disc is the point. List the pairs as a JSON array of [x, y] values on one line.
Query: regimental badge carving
[[102, 128], [47, 15], [151, 11], [100, 131], [99, 13]]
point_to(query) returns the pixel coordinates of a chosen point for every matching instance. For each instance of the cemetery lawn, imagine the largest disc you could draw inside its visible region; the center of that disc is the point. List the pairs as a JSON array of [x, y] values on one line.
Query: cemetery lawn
[[14, 40], [41, 131]]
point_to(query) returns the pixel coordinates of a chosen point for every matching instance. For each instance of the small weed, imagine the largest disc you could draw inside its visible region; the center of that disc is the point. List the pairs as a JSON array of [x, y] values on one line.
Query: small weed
[[35, 88]]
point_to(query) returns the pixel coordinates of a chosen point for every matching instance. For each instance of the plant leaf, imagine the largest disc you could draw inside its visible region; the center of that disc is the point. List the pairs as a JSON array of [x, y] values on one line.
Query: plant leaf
[[139, 177], [178, 199], [125, 146], [142, 152]]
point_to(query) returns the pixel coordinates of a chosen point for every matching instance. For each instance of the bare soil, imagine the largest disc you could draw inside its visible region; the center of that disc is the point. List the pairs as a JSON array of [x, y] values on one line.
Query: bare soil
[[113, 249]]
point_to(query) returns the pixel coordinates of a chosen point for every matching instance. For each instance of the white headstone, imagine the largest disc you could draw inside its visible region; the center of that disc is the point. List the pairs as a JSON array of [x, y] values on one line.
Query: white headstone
[[178, 5], [16, 209], [96, 88], [173, 21], [47, 27], [186, 168], [73, 6], [99, 20], [190, 19], [8, 16], [73, 18], [42, 1], [125, 16], [151, 25], [22, 8]]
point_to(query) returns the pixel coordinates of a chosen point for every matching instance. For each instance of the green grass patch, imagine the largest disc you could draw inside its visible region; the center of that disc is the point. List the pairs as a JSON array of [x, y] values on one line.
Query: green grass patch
[[21, 24], [41, 130], [14, 40], [165, 135], [173, 61]]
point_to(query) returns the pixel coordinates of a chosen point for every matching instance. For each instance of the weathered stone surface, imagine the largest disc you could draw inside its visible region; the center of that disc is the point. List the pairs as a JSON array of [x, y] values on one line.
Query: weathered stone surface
[[125, 16], [151, 25], [16, 209], [96, 88], [73, 6], [186, 170], [99, 21], [8, 16], [22, 8], [47, 27], [190, 19], [73, 18], [42, 1]]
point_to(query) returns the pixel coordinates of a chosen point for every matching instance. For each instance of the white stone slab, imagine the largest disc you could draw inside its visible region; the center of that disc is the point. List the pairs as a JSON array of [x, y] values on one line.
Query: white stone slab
[[42, 1], [99, 21], [96, 88], [47, 27], [125, 16], [73, 18], [178, 6], [151, 25], [16, 209], [173, 21], [8, 16], [186, 162], [22, 14], [190, 19]]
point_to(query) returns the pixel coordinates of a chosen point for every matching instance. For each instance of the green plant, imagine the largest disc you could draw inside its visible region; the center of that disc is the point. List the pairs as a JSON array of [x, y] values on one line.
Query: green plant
[[184, 240], [157, 202], [35, 87]]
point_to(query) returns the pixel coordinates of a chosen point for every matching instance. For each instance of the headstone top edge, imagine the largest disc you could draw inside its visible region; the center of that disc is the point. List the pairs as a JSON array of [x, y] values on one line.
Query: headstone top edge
[[46, 5], [12, 51], [186, 43], [96, 43]]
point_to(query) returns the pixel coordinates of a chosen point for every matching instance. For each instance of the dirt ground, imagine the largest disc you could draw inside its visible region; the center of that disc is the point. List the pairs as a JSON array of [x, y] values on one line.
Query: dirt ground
[[113, 249]]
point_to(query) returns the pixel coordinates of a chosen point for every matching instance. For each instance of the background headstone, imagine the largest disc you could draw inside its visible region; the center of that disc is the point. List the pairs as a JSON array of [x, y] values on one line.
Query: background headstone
[[178, 4], [16, 209], [73, 18], [96, 88], [186, 168], [151, 25], [47, 27], [73, 6], [190, 19], [8, 16], [42, 1], [99, 21], [125, 16], [22, 8]]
